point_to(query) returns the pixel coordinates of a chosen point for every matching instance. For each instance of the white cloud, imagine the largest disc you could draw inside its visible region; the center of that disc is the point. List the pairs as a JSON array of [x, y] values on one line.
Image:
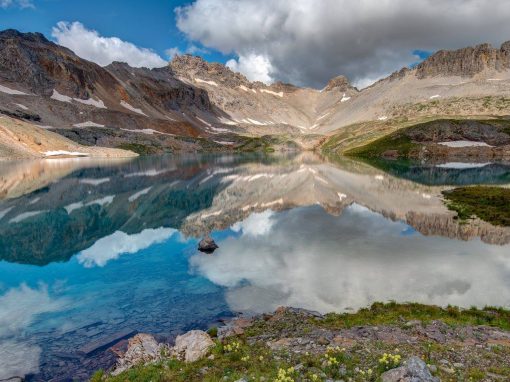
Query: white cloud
[[23, 4], [172, 52], [330, 263], [88, 44], [310, 41], [119, 243], [254, 66], [256, 224], [20, 307]]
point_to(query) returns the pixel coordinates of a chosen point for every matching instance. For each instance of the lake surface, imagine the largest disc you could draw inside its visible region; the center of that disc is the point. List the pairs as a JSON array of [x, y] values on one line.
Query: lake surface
[[91, 251]]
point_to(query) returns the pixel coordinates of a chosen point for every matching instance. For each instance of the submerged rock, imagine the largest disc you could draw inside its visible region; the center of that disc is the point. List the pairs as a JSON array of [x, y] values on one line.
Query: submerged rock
[[414, 370], [207, 245], [142, 349], [192, 346]]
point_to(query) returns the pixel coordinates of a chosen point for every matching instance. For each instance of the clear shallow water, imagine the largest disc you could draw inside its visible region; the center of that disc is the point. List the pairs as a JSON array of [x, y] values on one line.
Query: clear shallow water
[[90, 249]]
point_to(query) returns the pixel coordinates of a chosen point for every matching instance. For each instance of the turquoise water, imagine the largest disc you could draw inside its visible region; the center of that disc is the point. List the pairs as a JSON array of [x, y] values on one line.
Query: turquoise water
[[91, 251]]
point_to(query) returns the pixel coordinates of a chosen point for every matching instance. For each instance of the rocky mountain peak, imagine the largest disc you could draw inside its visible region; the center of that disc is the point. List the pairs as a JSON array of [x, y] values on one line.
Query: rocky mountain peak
[[14, 34], [465, 62], [340, 83], [193, 67]]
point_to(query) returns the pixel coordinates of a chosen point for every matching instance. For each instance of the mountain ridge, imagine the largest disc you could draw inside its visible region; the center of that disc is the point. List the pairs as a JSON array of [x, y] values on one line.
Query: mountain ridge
[[191, 98]]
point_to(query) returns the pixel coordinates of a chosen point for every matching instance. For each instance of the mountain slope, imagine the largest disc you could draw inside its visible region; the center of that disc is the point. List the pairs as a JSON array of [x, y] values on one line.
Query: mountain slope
[[190, 100], [23, 140]]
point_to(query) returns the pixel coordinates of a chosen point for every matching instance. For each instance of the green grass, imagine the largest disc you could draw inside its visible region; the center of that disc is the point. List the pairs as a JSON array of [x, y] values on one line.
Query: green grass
[[397, 142], [241, 358], [137, 148], [397, 314], [491, 204]]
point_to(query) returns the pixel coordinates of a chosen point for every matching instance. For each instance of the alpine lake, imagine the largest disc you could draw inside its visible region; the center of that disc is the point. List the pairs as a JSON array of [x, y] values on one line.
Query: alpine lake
[[93, 251]]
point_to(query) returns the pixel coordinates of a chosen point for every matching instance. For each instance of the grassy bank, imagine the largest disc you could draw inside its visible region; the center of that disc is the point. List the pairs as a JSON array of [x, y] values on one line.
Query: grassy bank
[[292, 345], [491, 204]]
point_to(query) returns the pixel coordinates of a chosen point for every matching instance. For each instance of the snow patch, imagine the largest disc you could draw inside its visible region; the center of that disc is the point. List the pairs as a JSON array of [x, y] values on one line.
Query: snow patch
[[242, 87], [279, 94], [91, 102], [60, 97], [462, 166], [135, 196], [25, 215], [5, 89], [323, 116], [383, 118], [344, 98], [94, 182], [152, 172], [223, 142], [227, 121], [254, 122], [212, 83], [465, 144], [21, 106], [64, 152], [88, 124], [269, 204], [132, 108], [434, 96]]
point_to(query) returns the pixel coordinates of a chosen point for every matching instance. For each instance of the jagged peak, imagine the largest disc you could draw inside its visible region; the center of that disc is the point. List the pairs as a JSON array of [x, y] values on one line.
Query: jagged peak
[[465, 62], [340, 83], [31, 36]]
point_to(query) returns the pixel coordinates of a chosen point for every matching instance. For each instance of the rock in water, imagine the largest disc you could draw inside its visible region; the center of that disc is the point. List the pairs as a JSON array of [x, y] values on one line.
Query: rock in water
[[192, 346], [207, 245], [142, 348], [414, 370]]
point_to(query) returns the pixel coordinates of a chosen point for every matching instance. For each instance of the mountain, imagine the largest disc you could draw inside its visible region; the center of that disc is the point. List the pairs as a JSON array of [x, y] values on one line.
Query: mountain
[[193, 105], [84, 202]]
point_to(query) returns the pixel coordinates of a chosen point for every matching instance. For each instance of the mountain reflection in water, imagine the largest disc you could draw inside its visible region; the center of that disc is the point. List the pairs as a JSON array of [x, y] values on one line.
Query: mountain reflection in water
[[89, 249]]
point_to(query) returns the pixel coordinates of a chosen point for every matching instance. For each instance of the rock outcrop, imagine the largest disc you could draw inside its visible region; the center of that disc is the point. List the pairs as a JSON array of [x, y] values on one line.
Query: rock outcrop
[[142, 349], [207, 245], [192, 346], [414, 370], [466, 62]]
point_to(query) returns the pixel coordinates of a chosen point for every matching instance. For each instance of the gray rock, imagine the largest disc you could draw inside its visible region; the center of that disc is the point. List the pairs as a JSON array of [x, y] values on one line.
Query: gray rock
[[142, 349], [192, 346], [207, 245], [414, 370]]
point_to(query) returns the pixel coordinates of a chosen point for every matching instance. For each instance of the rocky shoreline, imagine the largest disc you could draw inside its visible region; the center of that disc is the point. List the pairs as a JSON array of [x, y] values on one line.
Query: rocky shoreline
[[386, 342]]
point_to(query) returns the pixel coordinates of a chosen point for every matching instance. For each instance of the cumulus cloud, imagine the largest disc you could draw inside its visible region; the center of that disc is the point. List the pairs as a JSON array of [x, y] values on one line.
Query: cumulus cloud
[[23, 4], [20, 308], [88, 44], [256, 224], [118, 243], [255, 67], [303, 265], [310, 41]]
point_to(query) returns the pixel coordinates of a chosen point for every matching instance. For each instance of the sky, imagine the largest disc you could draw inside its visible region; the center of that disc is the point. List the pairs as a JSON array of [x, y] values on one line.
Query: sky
[[305, 42]]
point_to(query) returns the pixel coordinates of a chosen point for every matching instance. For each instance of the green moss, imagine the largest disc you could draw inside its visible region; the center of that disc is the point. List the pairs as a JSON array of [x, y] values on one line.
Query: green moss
[[400, 143], [397, 314], [213, 332], [137, 148], [491, 204], [243, 358]]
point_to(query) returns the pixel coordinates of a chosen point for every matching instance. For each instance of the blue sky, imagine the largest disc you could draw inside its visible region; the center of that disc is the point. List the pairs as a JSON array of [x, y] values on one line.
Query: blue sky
[[150, 24], [305, 42]]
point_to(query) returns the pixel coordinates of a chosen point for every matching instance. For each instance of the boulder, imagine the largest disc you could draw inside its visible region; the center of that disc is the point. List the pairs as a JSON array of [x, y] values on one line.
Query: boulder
[[142, 349], [207, 245], [414, 370], [192, 346]]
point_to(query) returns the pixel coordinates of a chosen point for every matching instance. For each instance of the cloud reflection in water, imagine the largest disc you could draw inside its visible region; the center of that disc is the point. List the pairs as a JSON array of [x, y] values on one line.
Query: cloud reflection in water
[[310, 259]]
